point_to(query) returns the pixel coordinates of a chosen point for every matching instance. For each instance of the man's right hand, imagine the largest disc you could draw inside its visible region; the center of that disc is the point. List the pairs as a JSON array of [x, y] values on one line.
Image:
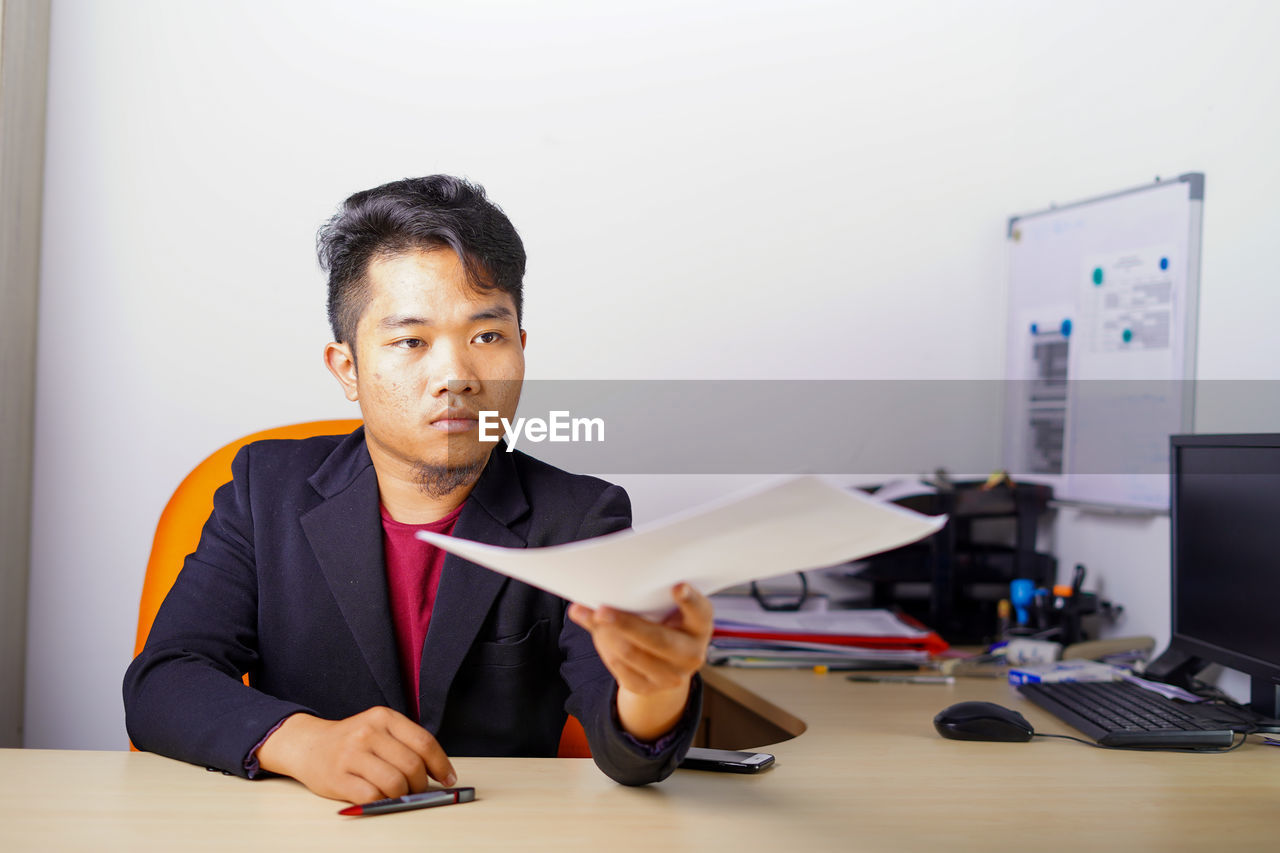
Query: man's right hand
[[375, 754]]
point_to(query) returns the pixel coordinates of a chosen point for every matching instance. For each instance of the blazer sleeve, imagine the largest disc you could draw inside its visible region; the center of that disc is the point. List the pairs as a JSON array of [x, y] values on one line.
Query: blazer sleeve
[[593, 690], [183, 695]]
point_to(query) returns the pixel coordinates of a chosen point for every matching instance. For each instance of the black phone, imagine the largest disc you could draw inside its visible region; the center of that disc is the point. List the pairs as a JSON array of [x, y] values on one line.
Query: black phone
[[725, 760]]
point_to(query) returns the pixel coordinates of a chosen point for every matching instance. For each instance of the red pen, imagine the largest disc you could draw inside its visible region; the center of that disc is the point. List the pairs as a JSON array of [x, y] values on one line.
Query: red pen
[[438, 797]]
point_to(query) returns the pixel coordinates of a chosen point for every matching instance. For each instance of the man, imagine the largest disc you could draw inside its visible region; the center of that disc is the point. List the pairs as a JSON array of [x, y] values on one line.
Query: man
[[371, 656]]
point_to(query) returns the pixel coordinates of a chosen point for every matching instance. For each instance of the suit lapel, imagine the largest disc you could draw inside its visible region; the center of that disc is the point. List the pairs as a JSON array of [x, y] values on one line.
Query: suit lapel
[[467, 591], [345, 533]]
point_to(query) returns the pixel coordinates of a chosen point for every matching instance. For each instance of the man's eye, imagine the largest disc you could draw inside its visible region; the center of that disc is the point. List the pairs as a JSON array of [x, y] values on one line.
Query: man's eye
[[489, 337], [409, 343]]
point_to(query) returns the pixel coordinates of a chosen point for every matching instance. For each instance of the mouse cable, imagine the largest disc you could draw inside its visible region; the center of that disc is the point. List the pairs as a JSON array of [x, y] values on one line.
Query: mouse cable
[[1215, 696], [1206, 751]]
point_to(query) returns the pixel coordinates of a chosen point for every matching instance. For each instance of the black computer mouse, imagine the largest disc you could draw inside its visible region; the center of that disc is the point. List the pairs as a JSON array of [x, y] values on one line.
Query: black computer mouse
[[982, 721]]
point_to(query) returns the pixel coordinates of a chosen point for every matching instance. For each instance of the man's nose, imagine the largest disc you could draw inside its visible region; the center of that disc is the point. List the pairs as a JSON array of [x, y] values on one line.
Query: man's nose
[[453, 371]]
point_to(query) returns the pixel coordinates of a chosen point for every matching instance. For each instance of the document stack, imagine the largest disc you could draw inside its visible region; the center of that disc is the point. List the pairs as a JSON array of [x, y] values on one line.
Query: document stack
[[746, 635]]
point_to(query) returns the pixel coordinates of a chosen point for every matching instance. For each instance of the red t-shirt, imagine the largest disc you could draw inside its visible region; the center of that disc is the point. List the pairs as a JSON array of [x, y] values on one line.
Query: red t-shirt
[[413, 577]]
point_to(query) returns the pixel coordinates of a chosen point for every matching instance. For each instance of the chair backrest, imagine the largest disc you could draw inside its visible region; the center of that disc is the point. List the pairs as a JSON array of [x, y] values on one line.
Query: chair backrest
[[178, 531], [178, 534]]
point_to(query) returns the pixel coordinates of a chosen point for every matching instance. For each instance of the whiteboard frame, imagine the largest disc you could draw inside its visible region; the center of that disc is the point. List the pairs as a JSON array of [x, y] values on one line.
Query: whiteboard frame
[[1189, 329]]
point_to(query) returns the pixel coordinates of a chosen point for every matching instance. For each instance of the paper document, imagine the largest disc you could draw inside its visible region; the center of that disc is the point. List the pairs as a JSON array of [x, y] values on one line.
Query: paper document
[[787, 526], [771, 658], [732, 613]]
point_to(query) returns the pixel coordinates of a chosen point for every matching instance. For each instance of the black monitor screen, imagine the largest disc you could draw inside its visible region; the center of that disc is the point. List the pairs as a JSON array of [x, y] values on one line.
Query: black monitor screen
[[1226, 549]]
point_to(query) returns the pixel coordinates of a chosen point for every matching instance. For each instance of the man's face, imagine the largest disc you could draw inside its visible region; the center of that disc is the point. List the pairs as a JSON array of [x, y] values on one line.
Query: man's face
[[431, 353]]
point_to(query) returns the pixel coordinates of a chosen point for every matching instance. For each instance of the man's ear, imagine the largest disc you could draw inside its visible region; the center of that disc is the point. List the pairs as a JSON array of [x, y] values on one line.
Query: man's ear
[[524, 338], [342, 364]]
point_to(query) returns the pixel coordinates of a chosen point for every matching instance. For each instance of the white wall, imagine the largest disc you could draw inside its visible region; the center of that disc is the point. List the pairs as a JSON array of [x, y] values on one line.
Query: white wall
[[706, 190]]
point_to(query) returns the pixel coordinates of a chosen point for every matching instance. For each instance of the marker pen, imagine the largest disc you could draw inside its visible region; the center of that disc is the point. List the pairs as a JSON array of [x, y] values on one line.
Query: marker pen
[[438, 797]]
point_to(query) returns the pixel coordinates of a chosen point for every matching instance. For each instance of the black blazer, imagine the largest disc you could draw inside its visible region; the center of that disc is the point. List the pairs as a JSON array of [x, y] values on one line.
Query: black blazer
[[288, 585]]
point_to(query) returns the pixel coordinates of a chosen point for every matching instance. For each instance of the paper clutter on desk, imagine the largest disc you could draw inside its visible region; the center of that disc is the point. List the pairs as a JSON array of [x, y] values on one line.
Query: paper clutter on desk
[[1067, 670], [1026, 651], [746, 635]]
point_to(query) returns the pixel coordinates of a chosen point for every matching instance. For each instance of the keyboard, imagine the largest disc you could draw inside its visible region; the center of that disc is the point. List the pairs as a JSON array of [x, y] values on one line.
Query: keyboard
[[1117, 713]]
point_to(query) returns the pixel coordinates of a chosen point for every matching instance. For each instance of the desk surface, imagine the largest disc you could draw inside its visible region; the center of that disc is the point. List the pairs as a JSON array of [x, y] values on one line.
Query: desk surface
[[869, 773]]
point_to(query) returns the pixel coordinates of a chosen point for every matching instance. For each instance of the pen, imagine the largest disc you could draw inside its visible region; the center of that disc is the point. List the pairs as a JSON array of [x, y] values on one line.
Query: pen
[[905, 679], [822, 668], [439, 797]]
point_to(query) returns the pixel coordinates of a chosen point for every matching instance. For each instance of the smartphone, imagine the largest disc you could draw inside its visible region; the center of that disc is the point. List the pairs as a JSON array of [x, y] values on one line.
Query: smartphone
[[725, 760]]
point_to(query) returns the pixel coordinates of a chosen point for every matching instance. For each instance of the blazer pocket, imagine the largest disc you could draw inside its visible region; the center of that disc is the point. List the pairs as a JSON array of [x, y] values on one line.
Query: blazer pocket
[[512, 651]]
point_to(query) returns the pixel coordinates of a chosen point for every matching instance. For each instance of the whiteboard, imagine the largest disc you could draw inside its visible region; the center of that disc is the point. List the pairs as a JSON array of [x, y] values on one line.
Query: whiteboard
[[1102, 342]]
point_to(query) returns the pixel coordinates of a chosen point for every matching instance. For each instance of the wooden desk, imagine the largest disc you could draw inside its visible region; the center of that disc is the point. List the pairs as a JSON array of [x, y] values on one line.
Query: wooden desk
[[869, 773]]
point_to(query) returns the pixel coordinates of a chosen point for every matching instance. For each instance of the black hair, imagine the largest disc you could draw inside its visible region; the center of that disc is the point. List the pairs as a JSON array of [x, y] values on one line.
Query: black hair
[[435, 212]]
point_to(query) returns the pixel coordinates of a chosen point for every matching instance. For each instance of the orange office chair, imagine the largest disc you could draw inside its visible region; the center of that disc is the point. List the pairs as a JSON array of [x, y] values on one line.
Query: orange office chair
[[178, 534]]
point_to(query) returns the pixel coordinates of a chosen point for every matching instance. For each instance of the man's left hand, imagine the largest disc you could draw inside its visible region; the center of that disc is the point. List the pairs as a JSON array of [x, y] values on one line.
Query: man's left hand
[[653, 662]]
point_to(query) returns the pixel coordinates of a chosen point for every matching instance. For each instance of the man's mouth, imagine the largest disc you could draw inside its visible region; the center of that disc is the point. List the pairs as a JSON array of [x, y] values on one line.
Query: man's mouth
[[455, 420]]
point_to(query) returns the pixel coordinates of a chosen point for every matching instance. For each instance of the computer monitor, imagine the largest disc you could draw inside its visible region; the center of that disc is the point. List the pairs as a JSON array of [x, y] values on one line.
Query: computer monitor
[[1225, 521]]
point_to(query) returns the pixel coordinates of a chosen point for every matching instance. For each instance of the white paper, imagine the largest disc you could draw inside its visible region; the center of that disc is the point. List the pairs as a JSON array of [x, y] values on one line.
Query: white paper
[[787, 526], [740, 612]]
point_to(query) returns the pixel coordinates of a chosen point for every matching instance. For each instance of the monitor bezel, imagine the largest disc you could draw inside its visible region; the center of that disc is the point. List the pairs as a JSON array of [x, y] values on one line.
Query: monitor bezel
[[1205, 651]]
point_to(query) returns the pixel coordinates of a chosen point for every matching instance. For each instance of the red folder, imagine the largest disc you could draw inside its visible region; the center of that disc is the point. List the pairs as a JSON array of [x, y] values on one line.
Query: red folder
[[931, 642]]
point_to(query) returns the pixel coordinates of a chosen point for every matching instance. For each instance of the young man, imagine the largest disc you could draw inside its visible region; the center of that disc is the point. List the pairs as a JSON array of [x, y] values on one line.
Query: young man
[[371, 655]]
